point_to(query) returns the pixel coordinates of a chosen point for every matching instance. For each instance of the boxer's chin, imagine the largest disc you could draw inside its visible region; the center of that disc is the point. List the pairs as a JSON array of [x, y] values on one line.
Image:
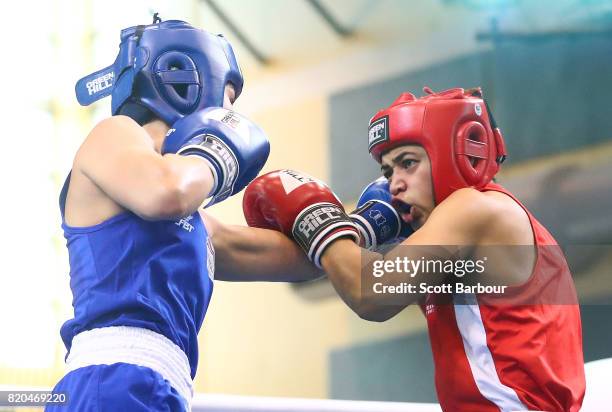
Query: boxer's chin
[[416, 218]]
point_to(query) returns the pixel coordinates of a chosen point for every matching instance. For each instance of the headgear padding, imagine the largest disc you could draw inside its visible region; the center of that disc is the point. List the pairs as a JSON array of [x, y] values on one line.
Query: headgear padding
[[169, 69], [464, 146]]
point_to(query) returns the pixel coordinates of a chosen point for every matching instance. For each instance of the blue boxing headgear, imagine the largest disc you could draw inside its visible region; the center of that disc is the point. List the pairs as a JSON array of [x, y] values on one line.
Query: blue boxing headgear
[[166, 70]]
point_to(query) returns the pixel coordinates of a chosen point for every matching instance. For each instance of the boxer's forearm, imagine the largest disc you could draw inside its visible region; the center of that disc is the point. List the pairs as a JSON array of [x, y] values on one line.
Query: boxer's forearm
[[342, 263], [251, 254], [345, 264]]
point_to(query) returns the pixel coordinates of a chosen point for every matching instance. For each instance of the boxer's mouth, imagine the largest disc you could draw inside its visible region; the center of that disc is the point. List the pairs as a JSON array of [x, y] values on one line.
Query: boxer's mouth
[[404, 209]]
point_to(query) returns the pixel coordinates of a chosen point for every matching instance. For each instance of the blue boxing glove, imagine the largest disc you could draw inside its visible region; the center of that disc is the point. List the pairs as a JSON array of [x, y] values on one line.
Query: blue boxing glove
[[235, 147], [378, 221]]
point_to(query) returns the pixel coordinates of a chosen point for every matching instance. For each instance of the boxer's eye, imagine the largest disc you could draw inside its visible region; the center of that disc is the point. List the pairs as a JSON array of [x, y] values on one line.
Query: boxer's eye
[[408, 163], [387, 173]]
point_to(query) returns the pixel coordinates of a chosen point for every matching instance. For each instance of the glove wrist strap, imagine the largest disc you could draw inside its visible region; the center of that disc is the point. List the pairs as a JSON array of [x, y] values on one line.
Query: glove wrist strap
[[378, 223], [223, 162], [318, 225]]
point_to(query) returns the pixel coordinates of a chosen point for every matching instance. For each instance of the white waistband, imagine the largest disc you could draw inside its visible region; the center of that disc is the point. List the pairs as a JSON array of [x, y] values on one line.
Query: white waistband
[[137, 346]]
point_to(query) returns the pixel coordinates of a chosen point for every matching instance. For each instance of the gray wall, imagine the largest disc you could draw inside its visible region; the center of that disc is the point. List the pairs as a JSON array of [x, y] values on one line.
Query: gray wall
[[399, 369]]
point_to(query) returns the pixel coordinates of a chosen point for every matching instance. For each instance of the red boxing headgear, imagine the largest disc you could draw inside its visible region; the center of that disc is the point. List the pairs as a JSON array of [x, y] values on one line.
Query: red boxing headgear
[[465, 148]]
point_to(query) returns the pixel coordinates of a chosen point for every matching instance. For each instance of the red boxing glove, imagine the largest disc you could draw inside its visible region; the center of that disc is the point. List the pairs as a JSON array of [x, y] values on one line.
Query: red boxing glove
[[299, 206]]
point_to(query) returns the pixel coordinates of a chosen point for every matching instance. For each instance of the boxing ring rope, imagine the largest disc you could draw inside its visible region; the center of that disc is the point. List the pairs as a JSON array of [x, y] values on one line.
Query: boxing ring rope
[[231, 403], [598, 396], [235, 403]]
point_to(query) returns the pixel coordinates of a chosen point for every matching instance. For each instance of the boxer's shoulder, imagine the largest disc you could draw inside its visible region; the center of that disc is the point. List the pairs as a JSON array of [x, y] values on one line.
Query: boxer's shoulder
[[509, 224], [465, 206], [97, 160], [114, 130], [484, 217], [110, 137]]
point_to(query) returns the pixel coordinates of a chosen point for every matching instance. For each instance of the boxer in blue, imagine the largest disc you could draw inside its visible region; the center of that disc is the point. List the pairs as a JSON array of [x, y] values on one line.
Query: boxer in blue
[[141, 251]]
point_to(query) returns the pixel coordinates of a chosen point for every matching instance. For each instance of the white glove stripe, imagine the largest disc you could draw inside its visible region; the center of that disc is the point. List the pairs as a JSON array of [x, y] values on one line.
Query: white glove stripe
[[366, 230], [315, 241], [316, 259]]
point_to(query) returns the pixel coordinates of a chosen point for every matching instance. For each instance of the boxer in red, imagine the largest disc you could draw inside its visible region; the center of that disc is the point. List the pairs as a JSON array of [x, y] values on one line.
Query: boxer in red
[[439, 153]]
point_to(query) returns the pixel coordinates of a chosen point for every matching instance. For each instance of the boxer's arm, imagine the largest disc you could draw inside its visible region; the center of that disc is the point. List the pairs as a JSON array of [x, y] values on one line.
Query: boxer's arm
[[119, 158], [460, 220], [245, 253]]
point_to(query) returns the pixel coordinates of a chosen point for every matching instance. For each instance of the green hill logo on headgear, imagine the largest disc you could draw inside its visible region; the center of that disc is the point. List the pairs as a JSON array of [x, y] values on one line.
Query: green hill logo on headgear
[[378, 131], [103, 82]]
